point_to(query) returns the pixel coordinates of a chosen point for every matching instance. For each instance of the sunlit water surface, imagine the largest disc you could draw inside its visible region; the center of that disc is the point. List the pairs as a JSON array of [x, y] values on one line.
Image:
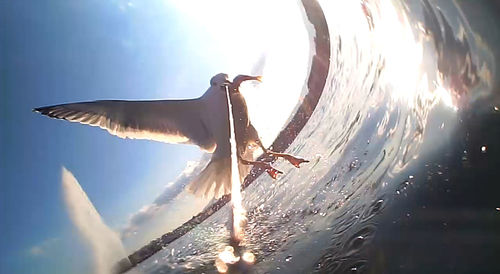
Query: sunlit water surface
[[401, 78]]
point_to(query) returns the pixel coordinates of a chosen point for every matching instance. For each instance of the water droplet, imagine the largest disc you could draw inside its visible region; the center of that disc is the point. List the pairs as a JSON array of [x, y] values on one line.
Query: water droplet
[[483, 149]]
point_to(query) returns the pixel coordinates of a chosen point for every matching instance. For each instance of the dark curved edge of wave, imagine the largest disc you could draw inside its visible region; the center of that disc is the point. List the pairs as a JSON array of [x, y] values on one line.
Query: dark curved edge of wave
[[315, 84]]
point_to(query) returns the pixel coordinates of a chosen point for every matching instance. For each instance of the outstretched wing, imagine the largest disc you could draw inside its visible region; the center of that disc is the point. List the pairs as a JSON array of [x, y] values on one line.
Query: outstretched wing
[[169, 121]]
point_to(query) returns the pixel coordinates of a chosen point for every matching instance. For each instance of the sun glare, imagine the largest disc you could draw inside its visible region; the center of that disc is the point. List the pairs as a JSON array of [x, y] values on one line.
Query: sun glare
[[267, 38]]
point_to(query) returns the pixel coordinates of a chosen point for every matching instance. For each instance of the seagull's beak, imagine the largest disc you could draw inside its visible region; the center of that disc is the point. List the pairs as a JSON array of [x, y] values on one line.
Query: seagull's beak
[[247, 78], [241, 78]]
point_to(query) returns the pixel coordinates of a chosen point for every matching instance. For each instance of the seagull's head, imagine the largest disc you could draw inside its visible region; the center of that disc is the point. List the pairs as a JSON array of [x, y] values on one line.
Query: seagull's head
[[219, 80]]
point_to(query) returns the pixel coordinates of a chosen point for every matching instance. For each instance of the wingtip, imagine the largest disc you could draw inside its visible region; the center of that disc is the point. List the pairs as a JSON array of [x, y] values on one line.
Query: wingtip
[[41, 110]]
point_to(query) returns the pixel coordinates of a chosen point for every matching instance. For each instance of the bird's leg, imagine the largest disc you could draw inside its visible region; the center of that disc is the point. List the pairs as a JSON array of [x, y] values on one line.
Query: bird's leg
[[296, 161], [266, 166]]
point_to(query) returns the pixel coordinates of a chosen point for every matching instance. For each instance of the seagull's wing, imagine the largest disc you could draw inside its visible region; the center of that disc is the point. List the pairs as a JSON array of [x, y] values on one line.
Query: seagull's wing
[[169, 121]]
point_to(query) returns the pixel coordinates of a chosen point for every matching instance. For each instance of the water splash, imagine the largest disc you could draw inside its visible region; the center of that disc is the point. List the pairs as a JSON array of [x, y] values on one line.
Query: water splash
[[106, 247]]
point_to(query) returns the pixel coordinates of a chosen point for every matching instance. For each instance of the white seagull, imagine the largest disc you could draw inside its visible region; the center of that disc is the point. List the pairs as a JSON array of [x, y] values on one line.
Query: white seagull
[[203, 121]]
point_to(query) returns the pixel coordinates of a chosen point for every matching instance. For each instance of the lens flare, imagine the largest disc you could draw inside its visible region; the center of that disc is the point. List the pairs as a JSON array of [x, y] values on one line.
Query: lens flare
[[221, 266], [227, 256], [238, 212], [248, 257]]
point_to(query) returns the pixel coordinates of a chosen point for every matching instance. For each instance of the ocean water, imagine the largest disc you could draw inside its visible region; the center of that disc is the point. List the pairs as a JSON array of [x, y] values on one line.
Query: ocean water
[[403, 147]]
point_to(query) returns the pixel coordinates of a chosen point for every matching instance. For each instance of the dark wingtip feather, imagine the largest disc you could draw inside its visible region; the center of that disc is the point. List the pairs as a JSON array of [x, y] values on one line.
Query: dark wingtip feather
[[43, 110]]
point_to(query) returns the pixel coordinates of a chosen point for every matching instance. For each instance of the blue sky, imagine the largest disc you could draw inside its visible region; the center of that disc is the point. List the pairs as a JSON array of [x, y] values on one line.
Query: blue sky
[[69, 51], [73, 51]]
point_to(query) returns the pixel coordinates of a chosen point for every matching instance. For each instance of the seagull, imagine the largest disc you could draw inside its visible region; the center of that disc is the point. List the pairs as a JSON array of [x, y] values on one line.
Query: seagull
[[203, 122]]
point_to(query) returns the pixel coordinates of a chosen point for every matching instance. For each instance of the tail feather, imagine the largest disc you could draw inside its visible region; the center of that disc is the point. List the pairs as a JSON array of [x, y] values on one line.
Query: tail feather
[[214, 180]]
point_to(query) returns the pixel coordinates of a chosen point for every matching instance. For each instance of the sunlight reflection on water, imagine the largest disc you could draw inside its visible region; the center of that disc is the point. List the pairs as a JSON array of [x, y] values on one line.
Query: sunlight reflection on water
[[390, 101]]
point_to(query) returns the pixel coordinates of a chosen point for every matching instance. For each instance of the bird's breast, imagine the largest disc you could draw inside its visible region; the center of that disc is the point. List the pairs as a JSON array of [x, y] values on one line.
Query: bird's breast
[[240, 110]]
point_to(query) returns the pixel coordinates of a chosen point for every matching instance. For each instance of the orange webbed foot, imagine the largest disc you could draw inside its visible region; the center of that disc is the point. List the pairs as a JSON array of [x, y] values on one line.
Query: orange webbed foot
[[273, 172], [269, 169], [296, 161]]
